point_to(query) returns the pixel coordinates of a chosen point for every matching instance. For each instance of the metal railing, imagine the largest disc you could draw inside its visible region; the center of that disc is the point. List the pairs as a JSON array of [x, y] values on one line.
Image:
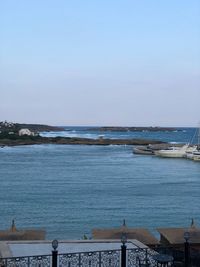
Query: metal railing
[[124, 257], [107, 258], [29, 261]]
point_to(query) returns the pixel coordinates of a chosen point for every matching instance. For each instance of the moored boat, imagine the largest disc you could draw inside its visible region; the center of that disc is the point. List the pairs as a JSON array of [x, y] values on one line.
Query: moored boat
[[173, 152], [195, 153]]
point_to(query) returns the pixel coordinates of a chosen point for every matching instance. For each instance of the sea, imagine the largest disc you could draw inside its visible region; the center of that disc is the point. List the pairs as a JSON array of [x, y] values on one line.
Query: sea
[[68, 190]]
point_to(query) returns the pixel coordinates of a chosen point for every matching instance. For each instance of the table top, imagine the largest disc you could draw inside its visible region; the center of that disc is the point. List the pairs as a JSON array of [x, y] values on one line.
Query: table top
[[163, 258]]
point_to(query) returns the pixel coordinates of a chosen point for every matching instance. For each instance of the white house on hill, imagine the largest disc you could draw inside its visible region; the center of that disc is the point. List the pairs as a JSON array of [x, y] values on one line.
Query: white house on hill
[[25, 132]]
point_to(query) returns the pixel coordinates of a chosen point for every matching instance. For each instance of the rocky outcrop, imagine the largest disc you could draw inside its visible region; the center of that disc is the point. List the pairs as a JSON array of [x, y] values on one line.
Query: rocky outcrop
[[75, 141]]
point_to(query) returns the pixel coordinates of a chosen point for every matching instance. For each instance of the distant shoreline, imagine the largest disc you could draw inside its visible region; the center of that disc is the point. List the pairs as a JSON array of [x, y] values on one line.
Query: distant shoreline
[[132, 129], [10, 136], [4, 126]]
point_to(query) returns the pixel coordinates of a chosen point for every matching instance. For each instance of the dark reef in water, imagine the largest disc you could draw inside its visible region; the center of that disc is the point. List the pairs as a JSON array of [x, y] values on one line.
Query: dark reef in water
[[14, 140]]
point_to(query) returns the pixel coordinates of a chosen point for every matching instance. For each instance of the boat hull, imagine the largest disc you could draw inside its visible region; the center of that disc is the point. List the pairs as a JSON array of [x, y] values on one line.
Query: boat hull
[[196, 156], [175, 152], [169, 154]]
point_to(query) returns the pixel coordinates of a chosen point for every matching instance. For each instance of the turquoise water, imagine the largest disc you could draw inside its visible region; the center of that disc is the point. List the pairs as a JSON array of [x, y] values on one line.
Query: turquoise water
[[71, 189]]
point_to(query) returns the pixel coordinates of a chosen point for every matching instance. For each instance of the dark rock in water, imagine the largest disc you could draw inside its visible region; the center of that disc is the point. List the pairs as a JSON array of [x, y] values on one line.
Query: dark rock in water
[[28, 140]]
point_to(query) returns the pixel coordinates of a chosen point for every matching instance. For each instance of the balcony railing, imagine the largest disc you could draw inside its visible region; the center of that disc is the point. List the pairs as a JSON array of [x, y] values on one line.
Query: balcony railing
[[30, 261], [107, 258]]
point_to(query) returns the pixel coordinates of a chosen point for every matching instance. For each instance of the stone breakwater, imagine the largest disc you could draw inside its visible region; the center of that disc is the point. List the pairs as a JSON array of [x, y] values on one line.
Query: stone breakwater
[[75, 141]]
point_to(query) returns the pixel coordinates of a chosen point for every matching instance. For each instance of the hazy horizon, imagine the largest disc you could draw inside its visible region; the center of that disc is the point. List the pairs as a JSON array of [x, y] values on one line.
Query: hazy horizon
[[121, 63], [111, 125]]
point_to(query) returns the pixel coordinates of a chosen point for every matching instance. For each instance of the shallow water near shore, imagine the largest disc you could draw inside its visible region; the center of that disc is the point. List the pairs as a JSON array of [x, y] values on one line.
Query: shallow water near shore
[[71, 189]]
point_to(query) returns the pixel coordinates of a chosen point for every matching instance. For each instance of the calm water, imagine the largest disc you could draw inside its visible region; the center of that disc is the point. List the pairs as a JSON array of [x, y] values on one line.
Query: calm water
[[68, 190]]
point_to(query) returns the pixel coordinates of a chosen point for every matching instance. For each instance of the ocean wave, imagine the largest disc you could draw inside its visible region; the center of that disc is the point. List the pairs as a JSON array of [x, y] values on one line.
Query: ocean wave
[[71, 134]]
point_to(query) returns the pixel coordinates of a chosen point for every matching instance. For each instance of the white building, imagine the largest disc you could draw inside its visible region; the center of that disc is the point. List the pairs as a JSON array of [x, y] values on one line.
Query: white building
[[25, 132]]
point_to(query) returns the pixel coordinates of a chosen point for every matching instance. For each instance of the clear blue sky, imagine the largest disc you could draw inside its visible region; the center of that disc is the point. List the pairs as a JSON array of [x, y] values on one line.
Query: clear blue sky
[[100, 62]]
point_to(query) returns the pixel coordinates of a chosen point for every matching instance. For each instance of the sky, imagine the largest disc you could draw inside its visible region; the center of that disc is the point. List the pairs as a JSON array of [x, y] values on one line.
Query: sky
[[100, 62]]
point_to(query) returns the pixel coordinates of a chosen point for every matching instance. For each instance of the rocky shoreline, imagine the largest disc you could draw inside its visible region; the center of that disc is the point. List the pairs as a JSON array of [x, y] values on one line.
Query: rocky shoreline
[[74, 141]]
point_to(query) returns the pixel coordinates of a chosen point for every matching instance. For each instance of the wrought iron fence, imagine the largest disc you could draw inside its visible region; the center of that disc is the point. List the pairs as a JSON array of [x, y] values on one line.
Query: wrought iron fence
[[108, 258], [145, 255], [90, 259], [29, 261]]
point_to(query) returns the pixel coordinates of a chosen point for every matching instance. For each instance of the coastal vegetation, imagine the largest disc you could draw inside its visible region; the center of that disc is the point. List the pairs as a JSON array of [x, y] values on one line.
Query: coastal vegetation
[[15, 127]]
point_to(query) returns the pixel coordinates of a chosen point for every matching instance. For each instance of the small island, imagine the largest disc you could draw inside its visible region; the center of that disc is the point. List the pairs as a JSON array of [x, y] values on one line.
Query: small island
[[132, 129]]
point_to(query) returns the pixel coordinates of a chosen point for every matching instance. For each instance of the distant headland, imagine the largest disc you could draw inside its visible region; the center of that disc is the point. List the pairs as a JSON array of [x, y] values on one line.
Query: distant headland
[[14, 134], [15, 127], [133, 129]]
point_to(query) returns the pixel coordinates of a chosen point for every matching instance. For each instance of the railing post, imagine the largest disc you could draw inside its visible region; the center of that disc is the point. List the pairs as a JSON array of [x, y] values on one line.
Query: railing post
[[99, 258], [79, 260], [146, 257], [123, 255], [187, 249], [54, 253], [123, 249], [187, 254], [54, 258]]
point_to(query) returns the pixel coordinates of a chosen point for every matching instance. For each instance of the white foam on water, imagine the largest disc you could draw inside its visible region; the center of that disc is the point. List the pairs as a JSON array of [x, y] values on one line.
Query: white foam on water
[[69, 134]]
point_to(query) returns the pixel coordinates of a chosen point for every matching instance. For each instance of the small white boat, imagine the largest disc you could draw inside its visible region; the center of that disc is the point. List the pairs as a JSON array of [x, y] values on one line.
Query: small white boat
[[173, 152]]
